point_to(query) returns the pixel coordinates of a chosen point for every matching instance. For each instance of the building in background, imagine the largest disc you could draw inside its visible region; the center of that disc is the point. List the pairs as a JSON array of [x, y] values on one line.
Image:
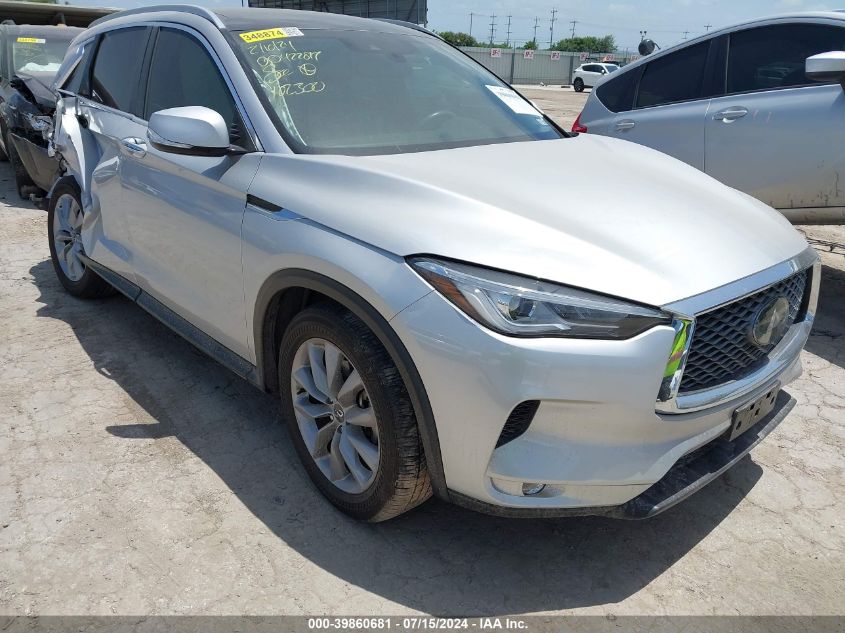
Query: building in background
[[49, 13], [414, 11]]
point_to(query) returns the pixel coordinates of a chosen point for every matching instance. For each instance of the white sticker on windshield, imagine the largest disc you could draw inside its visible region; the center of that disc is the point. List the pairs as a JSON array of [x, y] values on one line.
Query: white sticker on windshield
[[513, 100]]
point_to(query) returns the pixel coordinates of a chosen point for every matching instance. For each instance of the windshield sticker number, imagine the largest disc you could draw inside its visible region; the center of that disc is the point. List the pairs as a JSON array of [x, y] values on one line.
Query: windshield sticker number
[[513, 100], [31, 40], [271, 34]]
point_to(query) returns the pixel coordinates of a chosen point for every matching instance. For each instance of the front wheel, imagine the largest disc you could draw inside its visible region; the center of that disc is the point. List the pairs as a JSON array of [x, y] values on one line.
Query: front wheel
[[64, 228], [578, 84], [350, 415]]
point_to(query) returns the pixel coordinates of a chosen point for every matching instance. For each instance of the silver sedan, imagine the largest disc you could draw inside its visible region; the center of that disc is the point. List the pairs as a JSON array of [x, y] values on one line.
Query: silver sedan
[[758, 106]]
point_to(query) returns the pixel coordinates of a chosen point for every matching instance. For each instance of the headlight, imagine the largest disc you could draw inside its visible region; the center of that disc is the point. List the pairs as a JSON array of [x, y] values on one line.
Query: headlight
[[520, 306]]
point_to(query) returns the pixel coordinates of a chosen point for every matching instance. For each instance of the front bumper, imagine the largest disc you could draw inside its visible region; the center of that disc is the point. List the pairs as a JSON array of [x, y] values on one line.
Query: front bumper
[[689, 475], [596, 441]]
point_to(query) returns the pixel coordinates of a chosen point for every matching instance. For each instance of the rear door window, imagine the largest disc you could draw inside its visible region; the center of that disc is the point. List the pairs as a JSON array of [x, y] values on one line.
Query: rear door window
[[617, 94], [182, 73], [773, 57], [117, 68], [674, 77]]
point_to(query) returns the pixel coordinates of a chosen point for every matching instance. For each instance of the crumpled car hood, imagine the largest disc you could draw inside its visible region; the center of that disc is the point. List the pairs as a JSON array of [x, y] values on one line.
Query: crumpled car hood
[[39, 88], [591, 212]]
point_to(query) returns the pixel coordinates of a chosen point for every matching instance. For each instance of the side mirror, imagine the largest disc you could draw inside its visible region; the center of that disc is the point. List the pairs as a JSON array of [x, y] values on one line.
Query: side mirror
[[191, 130], [826, 67]]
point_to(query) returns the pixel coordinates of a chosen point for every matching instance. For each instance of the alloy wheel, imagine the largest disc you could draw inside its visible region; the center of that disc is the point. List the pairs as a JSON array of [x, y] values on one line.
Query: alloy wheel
[[335, 416], [67, 237]]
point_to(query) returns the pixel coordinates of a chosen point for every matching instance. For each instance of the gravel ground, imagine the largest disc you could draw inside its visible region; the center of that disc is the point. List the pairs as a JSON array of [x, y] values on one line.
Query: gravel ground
[[561, 104], [139, 477]]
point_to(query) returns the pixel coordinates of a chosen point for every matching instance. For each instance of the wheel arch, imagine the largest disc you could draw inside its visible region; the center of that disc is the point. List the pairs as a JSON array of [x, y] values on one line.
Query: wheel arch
[[66, 179], [287, 292]]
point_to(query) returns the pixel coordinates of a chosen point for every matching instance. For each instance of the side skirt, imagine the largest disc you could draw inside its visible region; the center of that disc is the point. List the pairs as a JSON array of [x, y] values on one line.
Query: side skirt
[[182, 327]]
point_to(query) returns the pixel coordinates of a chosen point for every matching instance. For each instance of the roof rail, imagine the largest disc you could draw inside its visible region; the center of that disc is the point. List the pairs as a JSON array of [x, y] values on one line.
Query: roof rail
[[181, 8], [408, 25]]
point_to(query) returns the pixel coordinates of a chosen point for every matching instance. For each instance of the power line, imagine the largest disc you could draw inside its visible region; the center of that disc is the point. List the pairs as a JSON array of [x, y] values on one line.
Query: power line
[[552, 28]]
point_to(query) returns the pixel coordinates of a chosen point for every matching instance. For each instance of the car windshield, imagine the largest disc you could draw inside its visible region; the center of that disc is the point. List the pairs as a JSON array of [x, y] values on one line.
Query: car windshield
[[39, 54], [365, 92]]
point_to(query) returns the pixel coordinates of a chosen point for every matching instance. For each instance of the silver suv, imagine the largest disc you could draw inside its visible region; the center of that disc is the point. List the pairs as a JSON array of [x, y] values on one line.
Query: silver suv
[[758, 106], [354, 215]]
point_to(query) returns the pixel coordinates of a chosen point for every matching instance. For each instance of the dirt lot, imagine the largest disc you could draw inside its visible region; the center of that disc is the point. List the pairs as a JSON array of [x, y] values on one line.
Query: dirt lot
[[561, 104], [139, 477]]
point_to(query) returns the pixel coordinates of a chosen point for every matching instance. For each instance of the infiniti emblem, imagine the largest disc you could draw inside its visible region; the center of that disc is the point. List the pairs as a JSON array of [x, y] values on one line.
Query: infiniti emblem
[[770, 323]]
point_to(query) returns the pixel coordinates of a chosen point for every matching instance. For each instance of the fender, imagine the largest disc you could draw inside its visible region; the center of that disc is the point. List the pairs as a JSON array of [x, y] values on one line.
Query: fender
[[66, 178], [297, 278]]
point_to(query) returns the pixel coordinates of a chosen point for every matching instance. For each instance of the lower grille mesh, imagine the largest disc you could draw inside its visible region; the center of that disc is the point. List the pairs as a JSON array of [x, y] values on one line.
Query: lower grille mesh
[[518, 421], [722, 350]]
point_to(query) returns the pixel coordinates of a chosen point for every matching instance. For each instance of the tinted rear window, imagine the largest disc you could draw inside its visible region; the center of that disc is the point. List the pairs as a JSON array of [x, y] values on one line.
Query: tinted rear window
[[674, 77], [617, 94]]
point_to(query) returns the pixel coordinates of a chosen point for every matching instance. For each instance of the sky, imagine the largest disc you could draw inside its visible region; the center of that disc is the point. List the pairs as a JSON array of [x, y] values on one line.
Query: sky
[[667, 22]]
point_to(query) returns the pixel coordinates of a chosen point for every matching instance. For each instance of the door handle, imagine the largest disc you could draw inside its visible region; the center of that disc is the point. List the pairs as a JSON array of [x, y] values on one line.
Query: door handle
[[135, 146], [623, 126], [731, 114]]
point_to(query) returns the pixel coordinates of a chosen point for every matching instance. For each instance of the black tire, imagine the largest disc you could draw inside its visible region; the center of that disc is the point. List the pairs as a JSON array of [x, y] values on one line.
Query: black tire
[[401, 481], [22, 178], [578, 84], [90, 285]]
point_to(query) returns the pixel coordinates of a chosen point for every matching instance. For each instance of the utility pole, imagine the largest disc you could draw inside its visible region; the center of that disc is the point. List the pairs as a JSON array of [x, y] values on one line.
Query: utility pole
[[685, 34], [573, 23], [470, 23], [492, 27], [708, 27], [536, 25], [508, 38], [552, 28]]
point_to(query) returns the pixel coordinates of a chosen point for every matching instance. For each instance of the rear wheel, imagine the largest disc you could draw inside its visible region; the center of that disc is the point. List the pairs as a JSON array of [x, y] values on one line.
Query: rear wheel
[[64, 227], [578, 84], [350, 415]]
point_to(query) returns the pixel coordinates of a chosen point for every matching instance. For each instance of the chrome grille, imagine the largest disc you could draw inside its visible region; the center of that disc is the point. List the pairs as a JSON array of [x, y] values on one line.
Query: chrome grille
[[721, 349]]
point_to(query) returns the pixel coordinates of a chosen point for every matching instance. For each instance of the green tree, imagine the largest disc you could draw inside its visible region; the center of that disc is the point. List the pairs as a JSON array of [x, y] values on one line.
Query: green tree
[[501, 45], [459, 39], [586, 44], [530, 45]]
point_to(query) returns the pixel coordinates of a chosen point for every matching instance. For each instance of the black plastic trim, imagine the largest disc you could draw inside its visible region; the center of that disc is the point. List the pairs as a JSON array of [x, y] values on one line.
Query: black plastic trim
[[261, 203], [178, 324], [518, 421], [694, 471], [297, 278]]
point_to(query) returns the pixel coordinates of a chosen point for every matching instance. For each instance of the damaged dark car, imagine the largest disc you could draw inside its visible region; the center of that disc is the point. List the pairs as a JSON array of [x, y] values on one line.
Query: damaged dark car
[[29, 59]]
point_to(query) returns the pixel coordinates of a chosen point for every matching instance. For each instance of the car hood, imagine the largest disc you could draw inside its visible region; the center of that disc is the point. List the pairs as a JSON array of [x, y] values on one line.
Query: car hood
[[38, 86], [591, 212]]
